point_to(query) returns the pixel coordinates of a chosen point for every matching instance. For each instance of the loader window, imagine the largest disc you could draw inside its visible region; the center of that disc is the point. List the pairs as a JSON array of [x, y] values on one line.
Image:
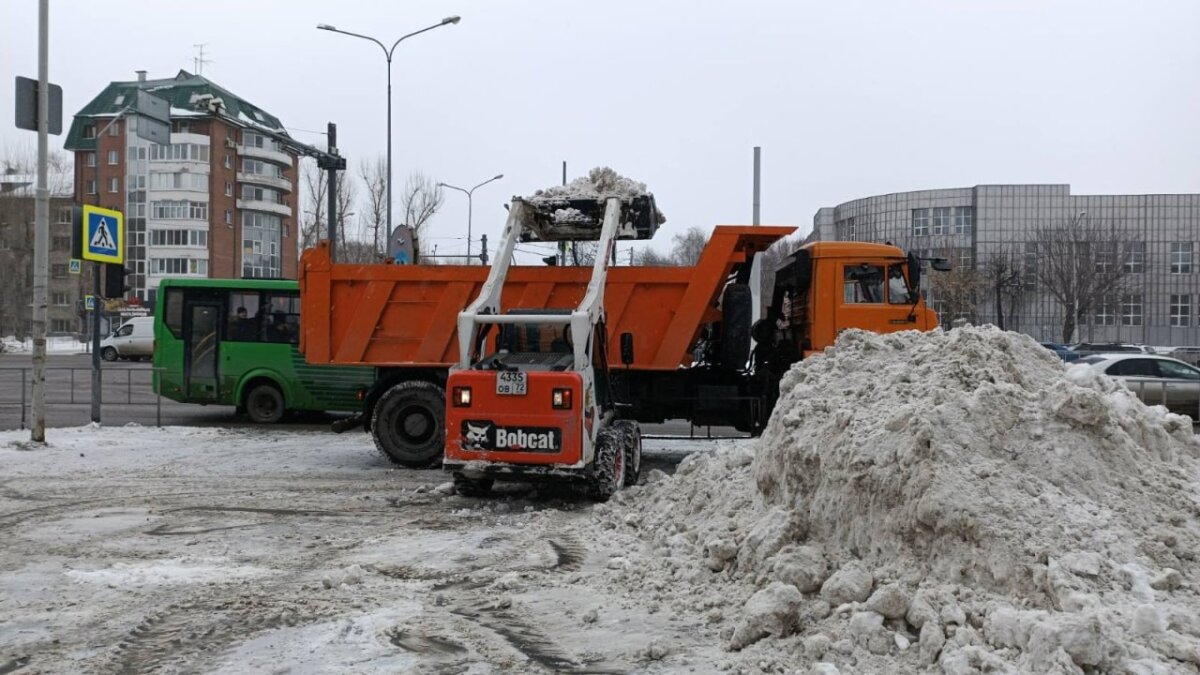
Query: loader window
[[540, 338], [863, 284]]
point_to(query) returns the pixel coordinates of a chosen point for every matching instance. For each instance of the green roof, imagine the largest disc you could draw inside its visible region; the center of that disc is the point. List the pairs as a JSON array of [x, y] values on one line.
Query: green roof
[[178, 91]]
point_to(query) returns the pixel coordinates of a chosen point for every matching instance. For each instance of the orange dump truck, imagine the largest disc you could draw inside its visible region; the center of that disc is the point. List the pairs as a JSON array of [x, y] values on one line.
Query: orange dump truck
[[684, 333]]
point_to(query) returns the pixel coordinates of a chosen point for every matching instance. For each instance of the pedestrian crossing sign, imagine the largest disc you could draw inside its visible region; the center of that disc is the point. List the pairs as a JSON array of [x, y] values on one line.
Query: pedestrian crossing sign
[[103, 235]]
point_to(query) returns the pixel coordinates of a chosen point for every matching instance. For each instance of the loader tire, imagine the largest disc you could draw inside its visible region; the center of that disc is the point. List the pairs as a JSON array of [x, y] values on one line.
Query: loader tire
[[408, 424], [608, 469], [736, 313], [472, 487], [632, 435]]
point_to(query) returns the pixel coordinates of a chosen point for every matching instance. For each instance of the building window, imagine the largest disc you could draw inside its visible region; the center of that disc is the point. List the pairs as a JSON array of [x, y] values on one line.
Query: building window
[[228, 216], [91, 158], [1030, 265], [228, 161], [194, 238], [260, 194], [184, 180], [941, 220], [964, 219], [60, 244], [1131, 310], [59, 299], [61, 326], [847, 229], [260, 245], [1106, 257], [1135, 258], [287, 232], [1106, 311], [89, 131], [1181, 257], [183, 127], [58, 271], [179, 266], [90, 187], [228, 189], [179, 152], [1181, 310], [179, 210], [920, 222], [113, 157], [113, 130], [114, 185]]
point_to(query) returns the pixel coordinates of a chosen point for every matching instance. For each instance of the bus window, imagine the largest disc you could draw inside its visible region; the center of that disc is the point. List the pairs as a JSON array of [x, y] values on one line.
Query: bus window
[[243, 317], [281, 322], [173, 318]]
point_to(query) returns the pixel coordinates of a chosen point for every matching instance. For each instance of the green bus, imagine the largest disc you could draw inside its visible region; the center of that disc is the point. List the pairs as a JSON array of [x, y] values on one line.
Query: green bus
[[234, 342]]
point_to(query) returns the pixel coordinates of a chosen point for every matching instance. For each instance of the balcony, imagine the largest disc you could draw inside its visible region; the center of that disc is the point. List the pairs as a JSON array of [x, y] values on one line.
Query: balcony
[[265, 154], [268, 207], [270, 181]]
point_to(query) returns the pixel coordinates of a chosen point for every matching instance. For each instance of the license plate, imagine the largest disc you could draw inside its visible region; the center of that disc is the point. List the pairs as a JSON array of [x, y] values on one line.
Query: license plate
[[510, 383]]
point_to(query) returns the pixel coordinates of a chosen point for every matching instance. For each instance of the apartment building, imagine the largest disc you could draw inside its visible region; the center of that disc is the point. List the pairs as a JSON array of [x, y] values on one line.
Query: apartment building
[[63, 292], [219, 201]]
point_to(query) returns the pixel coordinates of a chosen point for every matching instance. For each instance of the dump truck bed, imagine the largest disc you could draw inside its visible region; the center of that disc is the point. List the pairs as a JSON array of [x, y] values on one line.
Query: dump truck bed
[[405, 315]]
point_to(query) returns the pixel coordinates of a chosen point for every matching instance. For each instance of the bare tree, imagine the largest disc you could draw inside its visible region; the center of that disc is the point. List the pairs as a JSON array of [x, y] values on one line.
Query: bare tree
[[420, 199], [687, 246], [957, 291], [1080, 263], [1001, 277], [374, 206], [651, 257], [314, 223]]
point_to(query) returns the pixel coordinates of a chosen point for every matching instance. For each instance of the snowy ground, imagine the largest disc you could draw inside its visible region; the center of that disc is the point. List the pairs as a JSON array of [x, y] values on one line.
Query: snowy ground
[[134, 549], [54, 345]]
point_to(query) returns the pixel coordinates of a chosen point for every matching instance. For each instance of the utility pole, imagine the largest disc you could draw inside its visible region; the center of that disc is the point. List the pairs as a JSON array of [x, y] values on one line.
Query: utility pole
[[562, 245], [41, 228]]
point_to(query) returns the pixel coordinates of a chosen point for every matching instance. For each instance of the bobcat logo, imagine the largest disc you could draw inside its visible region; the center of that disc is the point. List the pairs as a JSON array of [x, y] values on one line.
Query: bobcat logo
[[476, 435]]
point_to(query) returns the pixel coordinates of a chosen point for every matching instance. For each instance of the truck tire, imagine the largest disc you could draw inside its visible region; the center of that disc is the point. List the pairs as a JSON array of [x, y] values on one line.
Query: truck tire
[[264, 404], [608, 468], [632, 435], [736, 313], [109, 354], [408, 424]]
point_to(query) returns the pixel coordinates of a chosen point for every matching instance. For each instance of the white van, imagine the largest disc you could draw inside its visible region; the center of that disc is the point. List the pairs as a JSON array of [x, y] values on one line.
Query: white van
[[134, 339]]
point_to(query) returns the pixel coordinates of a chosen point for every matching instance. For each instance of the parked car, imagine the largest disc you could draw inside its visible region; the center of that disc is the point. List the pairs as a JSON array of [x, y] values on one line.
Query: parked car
[[1187, 355], [1063, 351], [1157, 380], [1086, 348], [133, 339]]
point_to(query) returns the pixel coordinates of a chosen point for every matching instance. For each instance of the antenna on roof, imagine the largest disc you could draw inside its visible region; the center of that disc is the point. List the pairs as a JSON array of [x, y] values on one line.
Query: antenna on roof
[[199, 59]]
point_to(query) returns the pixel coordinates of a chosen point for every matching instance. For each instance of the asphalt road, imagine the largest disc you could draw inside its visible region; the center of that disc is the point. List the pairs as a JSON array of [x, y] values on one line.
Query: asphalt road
[[127, 397]]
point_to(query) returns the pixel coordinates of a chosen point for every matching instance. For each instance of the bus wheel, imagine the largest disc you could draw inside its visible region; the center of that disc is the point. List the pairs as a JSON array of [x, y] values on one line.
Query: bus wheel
[[408, 424], [109, 354], [264, 404]]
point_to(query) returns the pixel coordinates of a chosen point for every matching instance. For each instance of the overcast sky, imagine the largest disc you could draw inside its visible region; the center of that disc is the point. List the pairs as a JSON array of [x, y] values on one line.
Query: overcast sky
[[847, 99]]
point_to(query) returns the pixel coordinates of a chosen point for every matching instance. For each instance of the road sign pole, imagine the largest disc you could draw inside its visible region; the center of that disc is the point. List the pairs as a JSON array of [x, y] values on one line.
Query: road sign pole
[[96, 381], [41, 230]]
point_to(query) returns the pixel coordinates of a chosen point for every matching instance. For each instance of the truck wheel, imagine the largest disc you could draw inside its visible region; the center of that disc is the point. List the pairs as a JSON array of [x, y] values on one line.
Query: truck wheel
[[736, 313], [264, 404], [108, 354], [472, 487], [608, 470], [408, 424], [632, 435]]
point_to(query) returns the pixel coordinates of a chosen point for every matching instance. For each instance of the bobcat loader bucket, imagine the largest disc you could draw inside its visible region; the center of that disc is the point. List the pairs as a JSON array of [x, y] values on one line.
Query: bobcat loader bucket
[[573, 219]]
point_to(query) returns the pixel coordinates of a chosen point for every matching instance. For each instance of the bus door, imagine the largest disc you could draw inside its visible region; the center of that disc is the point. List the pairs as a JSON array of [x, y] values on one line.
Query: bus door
[[201, 326]]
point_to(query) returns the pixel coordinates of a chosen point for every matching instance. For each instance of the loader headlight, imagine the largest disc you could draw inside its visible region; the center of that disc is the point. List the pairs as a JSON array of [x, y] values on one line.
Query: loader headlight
[[461, 396]]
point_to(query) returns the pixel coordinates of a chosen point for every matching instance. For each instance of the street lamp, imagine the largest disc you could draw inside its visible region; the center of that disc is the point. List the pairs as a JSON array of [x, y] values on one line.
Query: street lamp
[[387, 53], [468, 193]]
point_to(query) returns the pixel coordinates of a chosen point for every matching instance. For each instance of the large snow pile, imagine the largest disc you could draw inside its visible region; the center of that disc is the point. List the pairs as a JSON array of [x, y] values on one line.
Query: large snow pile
[[599, 182], [947, 501]]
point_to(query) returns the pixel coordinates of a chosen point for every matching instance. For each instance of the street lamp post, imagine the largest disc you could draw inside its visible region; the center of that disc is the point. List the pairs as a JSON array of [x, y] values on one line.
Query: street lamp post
[[468, 193], [387, 53]]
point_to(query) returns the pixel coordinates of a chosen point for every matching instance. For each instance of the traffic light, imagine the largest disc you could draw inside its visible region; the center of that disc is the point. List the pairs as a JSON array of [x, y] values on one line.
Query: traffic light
[[114, 281]]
